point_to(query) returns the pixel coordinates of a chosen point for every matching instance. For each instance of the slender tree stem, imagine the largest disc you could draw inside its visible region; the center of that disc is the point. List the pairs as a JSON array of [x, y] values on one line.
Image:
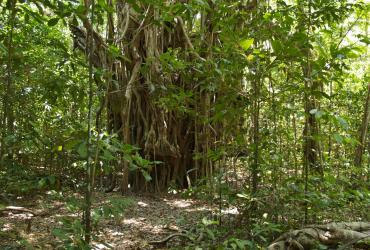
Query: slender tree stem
[[89, 164], [8, 116]]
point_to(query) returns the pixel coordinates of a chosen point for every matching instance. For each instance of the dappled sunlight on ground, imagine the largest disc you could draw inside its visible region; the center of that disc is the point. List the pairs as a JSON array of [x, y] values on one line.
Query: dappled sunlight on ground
[[178, 203], [149, 218]]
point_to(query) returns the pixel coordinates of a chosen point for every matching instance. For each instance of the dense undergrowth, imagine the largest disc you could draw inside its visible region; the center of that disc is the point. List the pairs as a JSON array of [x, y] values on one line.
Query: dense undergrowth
[[258, 109], [234, 220]]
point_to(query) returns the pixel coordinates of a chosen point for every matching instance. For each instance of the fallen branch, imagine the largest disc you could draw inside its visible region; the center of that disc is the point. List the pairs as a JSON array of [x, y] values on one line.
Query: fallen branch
[[30, 214], [159, 242], [17, 209], [49, 211], [26, 210]]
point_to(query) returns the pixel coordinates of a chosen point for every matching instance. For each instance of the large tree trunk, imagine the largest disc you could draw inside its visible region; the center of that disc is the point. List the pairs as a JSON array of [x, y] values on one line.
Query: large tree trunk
[[138, 83]]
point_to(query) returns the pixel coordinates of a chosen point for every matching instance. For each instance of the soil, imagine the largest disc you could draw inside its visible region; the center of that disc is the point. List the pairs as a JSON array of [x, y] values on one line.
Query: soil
[[147, 218]]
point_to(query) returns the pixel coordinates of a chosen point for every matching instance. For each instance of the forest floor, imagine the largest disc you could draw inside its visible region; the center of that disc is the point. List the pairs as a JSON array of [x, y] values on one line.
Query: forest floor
[[147, 218]]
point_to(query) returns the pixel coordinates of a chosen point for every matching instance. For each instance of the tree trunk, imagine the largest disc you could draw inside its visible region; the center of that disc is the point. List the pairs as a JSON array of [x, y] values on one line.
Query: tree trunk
[[256, 137], [363, 131], [8, 112], [138, 84], [311, 164]]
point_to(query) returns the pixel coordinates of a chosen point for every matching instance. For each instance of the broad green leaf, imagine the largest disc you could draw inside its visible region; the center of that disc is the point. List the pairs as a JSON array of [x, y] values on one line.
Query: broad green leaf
[[52, 180], [277, 46], [3, 48], [343, 123], [365, 40], [82, 150], [53, 21], [338, 138], [317, 93], [319, 114], [60, 233], [246, 43], [267, 16], [42, 183], [80, 9], [250, 57], [33, 14], [210, 234], [107, 155], [241, 243]]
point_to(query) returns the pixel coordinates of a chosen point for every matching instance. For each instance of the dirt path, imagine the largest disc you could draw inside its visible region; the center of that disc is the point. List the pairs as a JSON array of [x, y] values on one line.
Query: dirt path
[[147, 218]]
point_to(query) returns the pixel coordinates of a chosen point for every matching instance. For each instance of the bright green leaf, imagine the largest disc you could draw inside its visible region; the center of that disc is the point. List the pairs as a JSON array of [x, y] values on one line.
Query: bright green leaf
[[246, 43]]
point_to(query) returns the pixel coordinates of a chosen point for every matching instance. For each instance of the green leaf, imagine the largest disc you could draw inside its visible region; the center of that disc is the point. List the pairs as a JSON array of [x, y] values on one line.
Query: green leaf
[[244, 196], [59, 233], [42, 183], [80, 9], [146, 175], [277, 46], [338, 138], [210, 234], [107, 155], [3, 48], [208, 222], [26, 244], [53, 21], [267, 16], [82, 150], [319, 94], [246, 43], [52, 180], [134, 5], [365, 40], [35, 15], [319, 114], [343, 123]]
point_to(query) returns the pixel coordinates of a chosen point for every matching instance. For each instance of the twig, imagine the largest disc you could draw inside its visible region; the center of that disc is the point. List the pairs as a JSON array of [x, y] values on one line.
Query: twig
[[170, 237]]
